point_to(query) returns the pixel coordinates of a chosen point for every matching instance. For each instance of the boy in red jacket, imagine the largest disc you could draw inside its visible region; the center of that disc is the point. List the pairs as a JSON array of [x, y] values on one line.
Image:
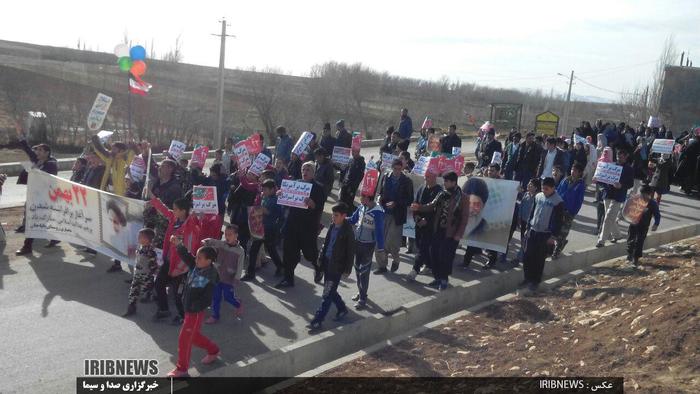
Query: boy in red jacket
[[183, 226]]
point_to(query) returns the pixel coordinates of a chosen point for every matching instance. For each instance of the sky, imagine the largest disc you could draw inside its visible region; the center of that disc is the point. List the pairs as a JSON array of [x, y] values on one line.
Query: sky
[[612, 46]]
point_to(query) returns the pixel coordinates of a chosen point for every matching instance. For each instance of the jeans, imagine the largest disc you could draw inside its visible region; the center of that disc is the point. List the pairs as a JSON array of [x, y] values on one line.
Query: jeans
[[225, 291], [330, 295], [363, 265]]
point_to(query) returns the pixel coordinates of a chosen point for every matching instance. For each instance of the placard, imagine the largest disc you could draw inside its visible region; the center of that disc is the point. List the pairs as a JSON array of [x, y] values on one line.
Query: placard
[[387, 159], [104, 135], [137, 168], [634, 208], [421, 165], [427, 123], [255, 222], [578, 138], [204, 200], [98, 113], [607, 173], [409, 228], [654, 122], [433, 143], [259, 164], [199, 156], [456, 150], [302, 143], [369, 182], [356, 141], [663, 146], [497, 158], [341, 156], [253, 144], [242, 157], [293, 193], [488, 227], [176, 149]]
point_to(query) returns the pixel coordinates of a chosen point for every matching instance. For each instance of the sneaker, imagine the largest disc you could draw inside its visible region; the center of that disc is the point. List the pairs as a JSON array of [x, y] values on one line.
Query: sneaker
[[314, 325], [161, 315], [443, 285], [177, 320], [356, 297], [434, 284], [210, 358], [52, 243], [555, 255], [426, 271], [394, 266], [629, 257], [131, 310], [488, 265], [613, 240], [248, 278], [116, 267], [359, 305], [176, 373], [380, 271], [318, 277], [341, 314], [284, 284], [23, 251], [599, 244], [211, 320], [20, 229], [411, 276]]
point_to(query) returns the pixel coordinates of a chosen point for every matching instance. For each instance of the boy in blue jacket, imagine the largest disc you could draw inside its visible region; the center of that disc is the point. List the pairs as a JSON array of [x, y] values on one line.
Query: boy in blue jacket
[[571, 190], [368, 220]]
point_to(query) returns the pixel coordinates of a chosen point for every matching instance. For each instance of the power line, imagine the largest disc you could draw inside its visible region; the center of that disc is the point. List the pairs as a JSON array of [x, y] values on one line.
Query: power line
[[604, 89]]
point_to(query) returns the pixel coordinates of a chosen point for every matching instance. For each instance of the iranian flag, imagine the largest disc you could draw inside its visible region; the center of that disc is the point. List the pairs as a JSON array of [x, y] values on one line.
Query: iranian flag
[[138, 86]]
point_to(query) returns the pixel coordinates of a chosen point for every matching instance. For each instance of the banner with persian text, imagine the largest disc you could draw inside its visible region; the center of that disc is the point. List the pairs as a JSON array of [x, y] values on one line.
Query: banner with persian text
[[67, 211]]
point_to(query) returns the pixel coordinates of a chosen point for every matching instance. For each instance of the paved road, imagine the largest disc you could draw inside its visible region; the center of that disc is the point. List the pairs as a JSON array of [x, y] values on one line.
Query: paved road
[[59, 307]]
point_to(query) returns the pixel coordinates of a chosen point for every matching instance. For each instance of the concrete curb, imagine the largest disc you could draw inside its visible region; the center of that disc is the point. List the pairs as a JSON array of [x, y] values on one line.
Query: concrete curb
[[312, 352]]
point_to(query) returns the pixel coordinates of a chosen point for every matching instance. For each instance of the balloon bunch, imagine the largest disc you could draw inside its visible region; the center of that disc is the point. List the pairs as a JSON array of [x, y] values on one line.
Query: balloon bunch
[[131, 60]]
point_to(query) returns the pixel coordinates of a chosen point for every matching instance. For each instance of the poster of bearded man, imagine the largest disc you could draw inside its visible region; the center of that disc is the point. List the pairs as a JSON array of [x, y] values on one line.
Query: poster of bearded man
[[491, 207]]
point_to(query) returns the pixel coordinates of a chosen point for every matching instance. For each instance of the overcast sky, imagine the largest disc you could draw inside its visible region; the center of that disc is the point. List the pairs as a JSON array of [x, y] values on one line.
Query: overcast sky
[[511, 44]]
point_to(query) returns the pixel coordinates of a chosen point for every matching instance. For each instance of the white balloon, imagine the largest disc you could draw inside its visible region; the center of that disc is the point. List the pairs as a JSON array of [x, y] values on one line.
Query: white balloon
[[121, 50]]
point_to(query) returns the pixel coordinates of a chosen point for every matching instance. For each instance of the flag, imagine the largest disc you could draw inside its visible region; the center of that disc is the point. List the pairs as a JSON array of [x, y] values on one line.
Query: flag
[[138, 86]]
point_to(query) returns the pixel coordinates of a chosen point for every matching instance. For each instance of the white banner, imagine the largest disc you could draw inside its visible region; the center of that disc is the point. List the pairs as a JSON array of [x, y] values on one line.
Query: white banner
[[66, 211]]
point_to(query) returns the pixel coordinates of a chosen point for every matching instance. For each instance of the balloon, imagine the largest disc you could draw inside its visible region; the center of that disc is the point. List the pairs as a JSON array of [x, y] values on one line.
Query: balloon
[[121, 50], [124, 63], [137, 53], [138, 68]]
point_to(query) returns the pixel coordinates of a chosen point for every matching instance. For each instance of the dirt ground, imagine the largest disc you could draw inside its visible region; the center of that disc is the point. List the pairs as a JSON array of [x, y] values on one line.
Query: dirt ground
[[641, 324], [11, 217]]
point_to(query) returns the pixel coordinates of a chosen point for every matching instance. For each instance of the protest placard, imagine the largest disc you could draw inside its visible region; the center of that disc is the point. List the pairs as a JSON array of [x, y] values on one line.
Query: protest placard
[[98, 112], [456, 150], [137, 168], [255, 222], [242, 157], [104, 135], [356, 141], [176, 149], [199, 157], [409, 228], [302, 143], [341, 156], [369, 182], [387, 159], [62, 210], [427, 123], [261, 161], [663, 146], [654, 121], [204, 199], [488, 227], [607, 173], [421, 165], [253, 144], [578, 138], [457, 164], [497, 158], [293, 193], [634, 208], [433, 143]]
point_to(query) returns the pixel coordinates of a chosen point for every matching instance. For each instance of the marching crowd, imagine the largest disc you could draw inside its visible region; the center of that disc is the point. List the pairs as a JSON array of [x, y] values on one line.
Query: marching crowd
[[201, 268]]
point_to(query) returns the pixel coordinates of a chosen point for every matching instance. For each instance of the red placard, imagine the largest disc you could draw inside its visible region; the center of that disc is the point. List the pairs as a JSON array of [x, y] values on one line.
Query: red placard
[[199, 157], [356, 142], [369, 182]]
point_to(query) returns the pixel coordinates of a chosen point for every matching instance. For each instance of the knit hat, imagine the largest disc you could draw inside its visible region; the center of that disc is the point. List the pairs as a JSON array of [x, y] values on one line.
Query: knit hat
[[478, 187]]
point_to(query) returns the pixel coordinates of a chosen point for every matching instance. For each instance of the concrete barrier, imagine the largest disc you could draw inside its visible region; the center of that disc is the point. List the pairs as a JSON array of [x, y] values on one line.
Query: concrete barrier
[[15, 168], [327, 346]]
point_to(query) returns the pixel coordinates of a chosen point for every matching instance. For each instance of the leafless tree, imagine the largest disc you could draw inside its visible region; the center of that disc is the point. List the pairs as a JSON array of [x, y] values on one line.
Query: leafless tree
[[668, 56], [265, 90], [174, 55]]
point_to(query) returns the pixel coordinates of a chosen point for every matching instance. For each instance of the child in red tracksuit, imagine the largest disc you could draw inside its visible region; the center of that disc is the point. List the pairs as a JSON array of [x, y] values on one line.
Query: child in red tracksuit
[[199, 287], [183, 226]]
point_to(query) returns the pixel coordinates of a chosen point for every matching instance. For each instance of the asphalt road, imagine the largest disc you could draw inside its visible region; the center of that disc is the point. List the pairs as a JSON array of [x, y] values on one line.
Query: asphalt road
[[59, 307]]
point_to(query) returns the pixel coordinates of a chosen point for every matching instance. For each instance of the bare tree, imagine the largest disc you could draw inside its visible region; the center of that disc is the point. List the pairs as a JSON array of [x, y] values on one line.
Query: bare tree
[[174, 55], [265, 91], [668, 56]]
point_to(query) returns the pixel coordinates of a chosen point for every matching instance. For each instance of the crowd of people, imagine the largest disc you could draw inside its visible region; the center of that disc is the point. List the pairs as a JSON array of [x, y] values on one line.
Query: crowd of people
[[202, 265]]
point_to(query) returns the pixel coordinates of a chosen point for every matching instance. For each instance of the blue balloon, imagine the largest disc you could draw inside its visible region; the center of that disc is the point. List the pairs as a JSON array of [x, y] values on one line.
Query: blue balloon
[[137, 53]]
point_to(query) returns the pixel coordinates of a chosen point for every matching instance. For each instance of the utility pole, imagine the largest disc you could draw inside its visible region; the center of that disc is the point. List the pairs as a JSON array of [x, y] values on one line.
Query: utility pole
[[220, 101], [568, 104]]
